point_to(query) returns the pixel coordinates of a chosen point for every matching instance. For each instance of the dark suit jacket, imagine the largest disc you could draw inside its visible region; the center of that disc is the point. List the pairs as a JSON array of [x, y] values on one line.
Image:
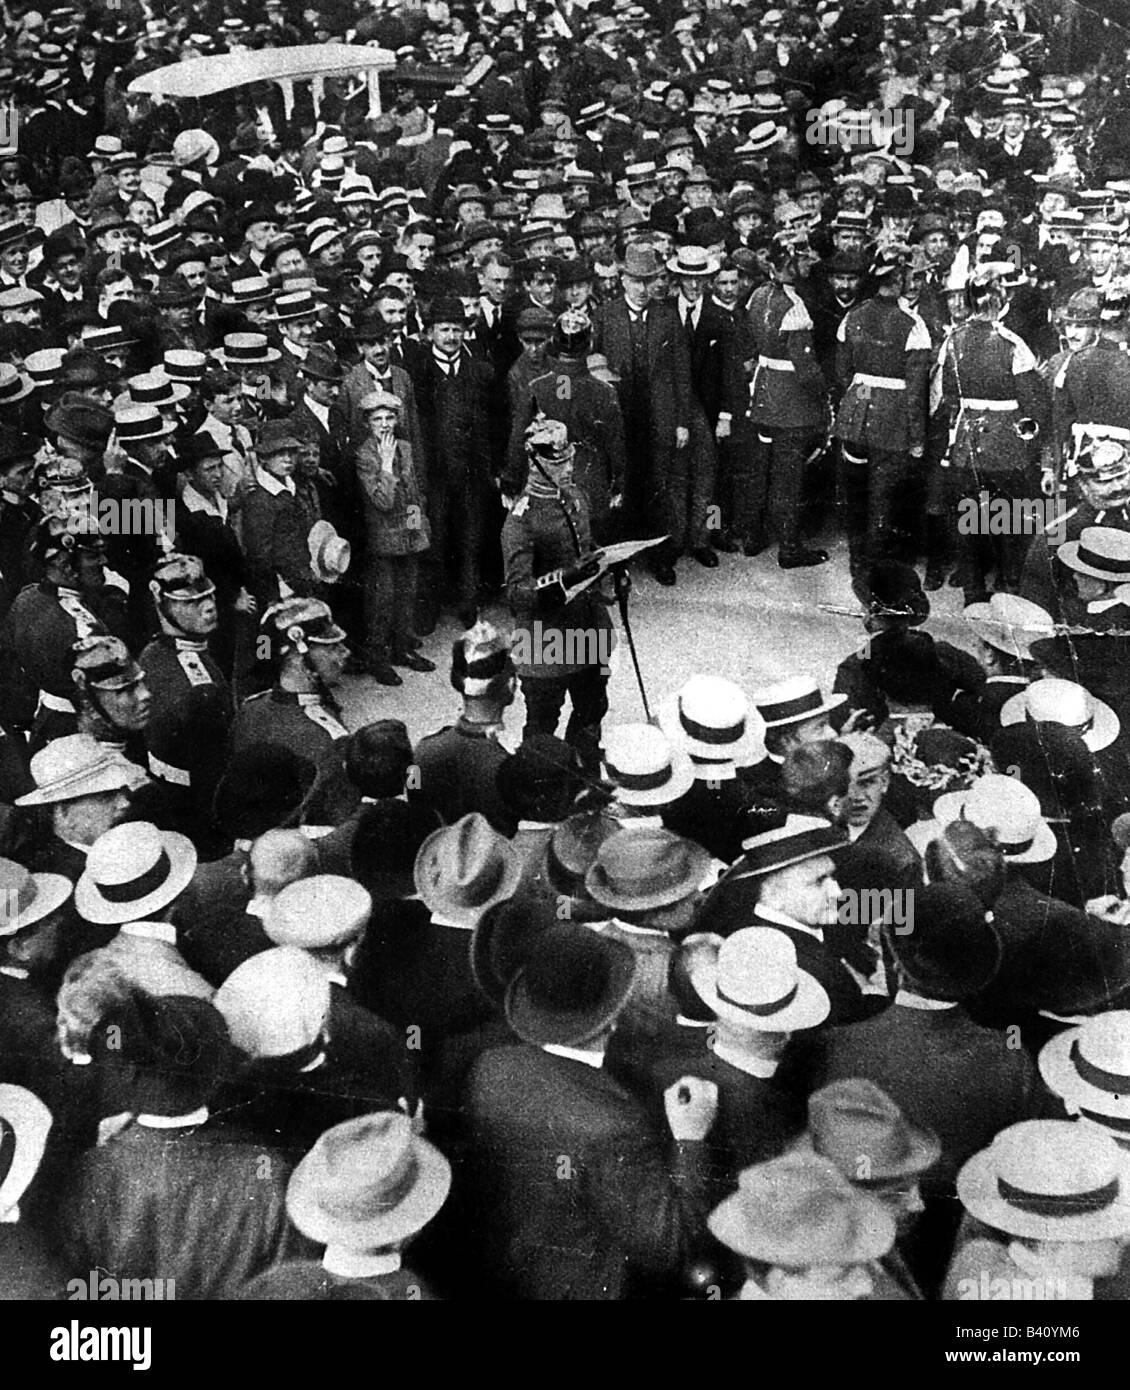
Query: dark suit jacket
[[201, 1207], [668, 363], [944, 1071], [578, 1195], [758, 1118], [716, 372]]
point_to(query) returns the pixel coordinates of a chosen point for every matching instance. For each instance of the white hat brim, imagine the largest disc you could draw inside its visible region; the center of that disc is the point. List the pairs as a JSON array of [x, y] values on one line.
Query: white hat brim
[[51, 892], [808, 1008], [681, 781], [1068, 552], [105, 779], [979, 1195], [830, 703], [426, 1196], [1105, 724], [746, 751], [1062, 1077], [92, 906], [948, 807]]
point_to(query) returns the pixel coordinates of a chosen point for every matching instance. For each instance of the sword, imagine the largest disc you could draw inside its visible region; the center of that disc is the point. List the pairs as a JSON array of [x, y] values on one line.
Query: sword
[[622, 591]]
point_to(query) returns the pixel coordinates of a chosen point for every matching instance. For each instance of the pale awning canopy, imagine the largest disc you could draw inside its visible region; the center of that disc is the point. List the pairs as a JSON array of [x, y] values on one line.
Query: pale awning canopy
[[314, 62]]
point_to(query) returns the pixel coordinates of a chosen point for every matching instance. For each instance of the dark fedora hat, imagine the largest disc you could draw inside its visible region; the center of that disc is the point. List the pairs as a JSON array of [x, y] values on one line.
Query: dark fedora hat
[[572, 989], [953, 951], [542, 780], [79, 418], [854, 1119], [505, 939], [263, 787]]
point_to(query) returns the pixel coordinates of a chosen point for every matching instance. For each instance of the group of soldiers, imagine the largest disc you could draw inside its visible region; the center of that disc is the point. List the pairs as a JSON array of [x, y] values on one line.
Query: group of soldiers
[[605, 288]]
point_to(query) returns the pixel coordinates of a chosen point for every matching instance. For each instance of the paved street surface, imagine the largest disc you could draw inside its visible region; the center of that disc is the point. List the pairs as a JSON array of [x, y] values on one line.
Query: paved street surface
[[748, 620]]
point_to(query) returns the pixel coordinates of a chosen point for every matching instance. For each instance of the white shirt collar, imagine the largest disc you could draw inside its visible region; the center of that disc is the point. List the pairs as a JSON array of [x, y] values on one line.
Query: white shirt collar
[[576, 1054], [784, 920], [198, 1117], [259, 906], [359, 1264], [441, 921], [269, 483], [150, 931], [916, 1001], [195, 501], [320, 412], [760, 1067]]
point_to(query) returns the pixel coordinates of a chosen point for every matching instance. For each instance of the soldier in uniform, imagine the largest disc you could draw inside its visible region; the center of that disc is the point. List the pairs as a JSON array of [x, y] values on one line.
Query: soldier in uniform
[[883, 362], [111, 695], [562, 645], [988, 376], [191, 713], [788, 412], [1092, 387], [45, 621], [299, 711], [458, 764], [590, 411]]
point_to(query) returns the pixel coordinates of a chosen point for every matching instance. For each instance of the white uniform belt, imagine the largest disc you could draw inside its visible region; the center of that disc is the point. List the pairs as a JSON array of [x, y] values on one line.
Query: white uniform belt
[[56, 703], [971, 403], [1089, 430], [887, 383], [168, 773], [776, 364]]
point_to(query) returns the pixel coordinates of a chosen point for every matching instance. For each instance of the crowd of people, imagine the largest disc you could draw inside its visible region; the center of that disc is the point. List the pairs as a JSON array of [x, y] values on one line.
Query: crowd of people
[[815, 991]]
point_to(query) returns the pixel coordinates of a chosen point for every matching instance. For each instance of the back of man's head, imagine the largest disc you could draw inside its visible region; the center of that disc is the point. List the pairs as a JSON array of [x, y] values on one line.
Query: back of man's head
[[279, 857]]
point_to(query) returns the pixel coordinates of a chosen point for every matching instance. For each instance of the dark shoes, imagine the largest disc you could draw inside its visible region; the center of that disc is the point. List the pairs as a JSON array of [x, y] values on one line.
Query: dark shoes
[[935, 577], [705, 557], [723, 541], [413, 661], [801, 558], [665, 574], [381, 671]]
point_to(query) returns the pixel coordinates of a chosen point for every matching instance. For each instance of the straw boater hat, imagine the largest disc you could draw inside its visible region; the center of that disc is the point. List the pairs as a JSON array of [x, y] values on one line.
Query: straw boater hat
[[644, 767], [755, 983], [330, 553], [1055, 701], [694, 261], [1007, 808], [368, 1183], [465, 868], [800, 838], [133, 870], [1050, 1180], [77, 765], [1010, 624], [27, 898], [25, 1123], [794, 700], [712, 720], [1089, 1068], [1101, 552], [798, 1211]]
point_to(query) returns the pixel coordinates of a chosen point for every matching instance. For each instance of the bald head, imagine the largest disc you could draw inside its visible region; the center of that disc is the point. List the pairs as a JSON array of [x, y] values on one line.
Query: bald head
[[279, 857]]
